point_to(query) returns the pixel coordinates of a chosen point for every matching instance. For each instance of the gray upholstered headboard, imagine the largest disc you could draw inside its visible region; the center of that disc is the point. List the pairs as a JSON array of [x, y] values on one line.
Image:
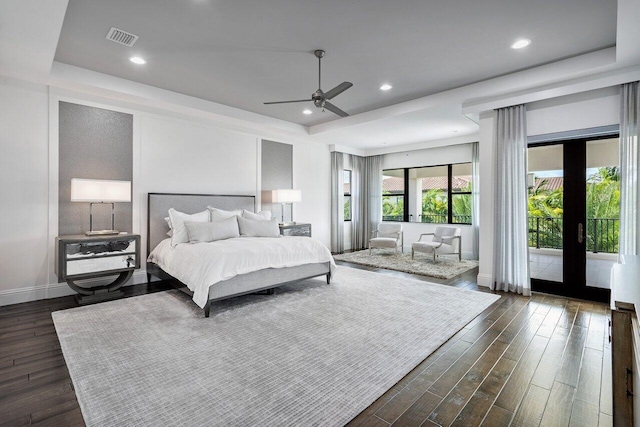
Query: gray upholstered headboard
[[158, 206]]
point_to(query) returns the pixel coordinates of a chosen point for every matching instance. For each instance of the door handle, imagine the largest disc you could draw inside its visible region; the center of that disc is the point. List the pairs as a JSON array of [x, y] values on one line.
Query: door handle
[[580, 238]]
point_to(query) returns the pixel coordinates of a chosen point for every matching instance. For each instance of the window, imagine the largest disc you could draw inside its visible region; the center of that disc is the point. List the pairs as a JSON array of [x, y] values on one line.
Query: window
[[435, 194], [393, 195], [347, 195], [461, 187]]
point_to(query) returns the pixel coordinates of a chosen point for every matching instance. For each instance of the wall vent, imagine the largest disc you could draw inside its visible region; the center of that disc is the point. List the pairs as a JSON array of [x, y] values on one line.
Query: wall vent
[[122, 37]]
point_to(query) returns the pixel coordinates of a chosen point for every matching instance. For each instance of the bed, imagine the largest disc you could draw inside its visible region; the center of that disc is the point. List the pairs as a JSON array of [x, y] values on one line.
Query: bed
[[167, 263]]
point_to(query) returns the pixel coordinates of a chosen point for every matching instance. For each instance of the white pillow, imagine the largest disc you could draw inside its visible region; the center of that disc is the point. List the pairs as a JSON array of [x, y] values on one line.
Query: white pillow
[[177, 223], [260, 216], [216, 214], [255, 228], [170, 232], [211, 231]]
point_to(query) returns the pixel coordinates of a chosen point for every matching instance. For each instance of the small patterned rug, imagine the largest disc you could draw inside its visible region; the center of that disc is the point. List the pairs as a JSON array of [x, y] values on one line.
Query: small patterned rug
[[443, 268]]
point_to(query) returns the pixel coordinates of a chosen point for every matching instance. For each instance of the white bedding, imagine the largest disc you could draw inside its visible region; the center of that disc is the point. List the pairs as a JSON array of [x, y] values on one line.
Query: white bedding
[[202, 265]]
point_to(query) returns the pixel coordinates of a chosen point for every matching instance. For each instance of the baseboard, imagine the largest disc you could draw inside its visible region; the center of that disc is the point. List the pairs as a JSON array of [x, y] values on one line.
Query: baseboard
[[55, 290], [484, 280]]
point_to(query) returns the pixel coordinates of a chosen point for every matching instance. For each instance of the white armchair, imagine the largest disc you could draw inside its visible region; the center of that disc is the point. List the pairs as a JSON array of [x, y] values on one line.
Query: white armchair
[[387, 236], [444, 241]]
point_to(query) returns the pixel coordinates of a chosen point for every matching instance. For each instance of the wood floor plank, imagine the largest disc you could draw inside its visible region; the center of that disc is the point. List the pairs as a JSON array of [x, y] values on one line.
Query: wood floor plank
[[558, 409], [584, 414], [606, 389], [547, 370], [497, 417], [68, 419], [513, 391], [398, 404], [55, 406], [457, 398], [364, 416], [417, 413], [583, 316], [570, 364], [589, 382], [597, 328], [529, 413], [521, 342], [605, 420]]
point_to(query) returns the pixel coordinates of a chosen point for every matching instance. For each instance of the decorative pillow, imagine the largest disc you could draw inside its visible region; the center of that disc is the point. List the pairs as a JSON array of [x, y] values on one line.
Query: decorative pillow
[[258, 228], [260, 216], [216, 214], [211, 231], [170, 232], [177, 223]]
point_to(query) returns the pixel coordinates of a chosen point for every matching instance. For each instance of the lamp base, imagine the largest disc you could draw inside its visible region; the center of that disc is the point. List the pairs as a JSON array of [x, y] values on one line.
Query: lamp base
[[101, 232]]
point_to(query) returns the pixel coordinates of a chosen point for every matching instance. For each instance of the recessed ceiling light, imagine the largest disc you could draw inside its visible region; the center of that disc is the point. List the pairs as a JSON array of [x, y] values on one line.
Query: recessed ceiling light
[[385, 86], [307, 111], [137, 60], [519, 44]]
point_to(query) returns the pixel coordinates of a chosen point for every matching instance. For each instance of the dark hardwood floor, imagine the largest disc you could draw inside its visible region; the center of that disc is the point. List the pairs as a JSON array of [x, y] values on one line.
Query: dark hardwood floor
[[539, 361]]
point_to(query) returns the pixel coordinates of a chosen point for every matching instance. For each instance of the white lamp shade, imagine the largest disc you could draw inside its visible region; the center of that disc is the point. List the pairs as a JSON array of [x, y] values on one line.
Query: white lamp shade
[[100, 190], [286, 195]]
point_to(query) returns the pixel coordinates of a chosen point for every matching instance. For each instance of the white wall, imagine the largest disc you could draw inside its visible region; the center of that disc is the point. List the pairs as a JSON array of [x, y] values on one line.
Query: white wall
[[24, 193], [579, 111], [172, 153]]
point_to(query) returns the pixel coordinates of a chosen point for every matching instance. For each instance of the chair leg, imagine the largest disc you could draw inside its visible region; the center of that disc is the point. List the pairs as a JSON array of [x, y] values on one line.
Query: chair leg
[[411, 253], [369, 248], [434, 256]]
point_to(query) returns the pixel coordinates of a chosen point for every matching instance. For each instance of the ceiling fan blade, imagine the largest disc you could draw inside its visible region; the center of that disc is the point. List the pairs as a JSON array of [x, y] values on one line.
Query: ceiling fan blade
[[338, 90], [286, 102], [329, 106]]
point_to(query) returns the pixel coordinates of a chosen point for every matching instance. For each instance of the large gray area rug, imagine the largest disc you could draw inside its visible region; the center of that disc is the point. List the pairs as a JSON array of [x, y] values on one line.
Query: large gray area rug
[[444, 268], [311, 354]]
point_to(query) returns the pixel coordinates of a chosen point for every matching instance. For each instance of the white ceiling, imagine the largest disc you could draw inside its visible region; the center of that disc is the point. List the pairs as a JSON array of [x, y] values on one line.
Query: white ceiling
[[228, 57], [243, 53]]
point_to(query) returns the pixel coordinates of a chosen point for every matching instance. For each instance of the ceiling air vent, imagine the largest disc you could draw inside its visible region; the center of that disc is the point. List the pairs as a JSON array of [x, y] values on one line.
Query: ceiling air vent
[[122, 37]]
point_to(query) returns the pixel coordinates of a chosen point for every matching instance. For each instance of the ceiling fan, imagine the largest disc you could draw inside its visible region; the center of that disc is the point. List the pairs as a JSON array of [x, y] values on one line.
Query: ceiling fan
[[320, 98]]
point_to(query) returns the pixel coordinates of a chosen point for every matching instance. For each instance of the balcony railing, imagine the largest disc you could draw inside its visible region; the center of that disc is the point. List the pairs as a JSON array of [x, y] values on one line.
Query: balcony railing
[[431, 219], [602, 233]]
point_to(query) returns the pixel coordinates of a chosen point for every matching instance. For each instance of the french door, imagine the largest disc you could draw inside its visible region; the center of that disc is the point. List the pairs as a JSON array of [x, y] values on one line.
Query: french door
[[572, 216]]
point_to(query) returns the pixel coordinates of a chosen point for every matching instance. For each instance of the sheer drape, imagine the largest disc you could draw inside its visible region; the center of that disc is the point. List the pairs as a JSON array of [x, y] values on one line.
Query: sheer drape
[[629, 170], [366, 198], [511, 261], [358, 203], [373, 186], [475, 198], [337, 202]]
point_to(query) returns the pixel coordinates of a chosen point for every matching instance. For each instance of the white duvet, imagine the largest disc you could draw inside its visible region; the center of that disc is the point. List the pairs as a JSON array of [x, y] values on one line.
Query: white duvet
[[202, 265]]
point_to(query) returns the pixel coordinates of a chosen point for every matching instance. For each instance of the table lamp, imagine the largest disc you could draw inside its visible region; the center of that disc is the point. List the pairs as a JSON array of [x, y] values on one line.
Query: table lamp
[[286, 196], [103, 192]]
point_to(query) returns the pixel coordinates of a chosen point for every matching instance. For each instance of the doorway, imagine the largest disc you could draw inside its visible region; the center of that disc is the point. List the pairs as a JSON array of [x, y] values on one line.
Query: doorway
[[573, 209]]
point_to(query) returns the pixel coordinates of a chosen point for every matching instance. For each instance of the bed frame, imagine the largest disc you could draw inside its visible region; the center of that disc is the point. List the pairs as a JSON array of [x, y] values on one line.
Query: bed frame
[[158, 205]]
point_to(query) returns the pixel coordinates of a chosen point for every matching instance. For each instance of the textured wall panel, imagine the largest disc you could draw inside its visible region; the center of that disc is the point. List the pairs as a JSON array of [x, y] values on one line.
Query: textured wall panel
[[94, 144], [277, 172]]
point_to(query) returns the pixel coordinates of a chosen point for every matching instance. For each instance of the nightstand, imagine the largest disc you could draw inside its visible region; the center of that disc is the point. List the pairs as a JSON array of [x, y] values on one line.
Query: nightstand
[[295, 229], [86, 257]]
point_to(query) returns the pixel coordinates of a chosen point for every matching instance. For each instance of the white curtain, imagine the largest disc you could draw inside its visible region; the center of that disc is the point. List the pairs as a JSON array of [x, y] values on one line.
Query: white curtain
[[475, 199], [366, 198], [358, 204], [337, 202], [511, 259], [373, 183], [629, 240]]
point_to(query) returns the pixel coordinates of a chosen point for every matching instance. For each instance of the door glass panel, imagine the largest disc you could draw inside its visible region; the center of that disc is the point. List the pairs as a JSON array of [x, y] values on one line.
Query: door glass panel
[[545, 179], [603, 210]]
